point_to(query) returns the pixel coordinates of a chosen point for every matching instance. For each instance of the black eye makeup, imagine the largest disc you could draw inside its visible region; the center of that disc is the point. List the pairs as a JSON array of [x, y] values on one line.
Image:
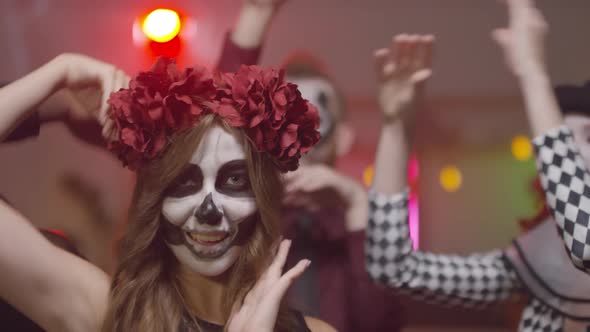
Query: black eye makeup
[[188, 183], [232, 179], [323, 99]]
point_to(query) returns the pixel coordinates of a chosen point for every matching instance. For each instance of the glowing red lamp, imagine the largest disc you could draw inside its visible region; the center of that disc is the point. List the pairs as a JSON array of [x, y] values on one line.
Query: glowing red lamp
[[161, 25]]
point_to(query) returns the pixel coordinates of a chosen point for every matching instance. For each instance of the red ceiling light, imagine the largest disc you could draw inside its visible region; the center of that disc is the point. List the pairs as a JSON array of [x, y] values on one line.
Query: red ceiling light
[[161, 25], [161, 32]]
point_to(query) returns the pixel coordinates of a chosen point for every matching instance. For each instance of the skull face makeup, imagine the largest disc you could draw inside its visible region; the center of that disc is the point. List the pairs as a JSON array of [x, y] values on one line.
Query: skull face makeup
[[320, 93], [210, 208]]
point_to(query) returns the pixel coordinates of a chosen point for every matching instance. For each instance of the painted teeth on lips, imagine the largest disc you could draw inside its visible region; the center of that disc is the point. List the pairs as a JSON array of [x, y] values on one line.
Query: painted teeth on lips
[[208, 238]]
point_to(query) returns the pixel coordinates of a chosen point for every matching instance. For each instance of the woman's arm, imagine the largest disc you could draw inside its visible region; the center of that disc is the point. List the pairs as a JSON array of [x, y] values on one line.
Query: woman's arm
[[76, 110], [452, 280], [244, 42], [253, 22], [20, 98], [56, 289], [523, 44]]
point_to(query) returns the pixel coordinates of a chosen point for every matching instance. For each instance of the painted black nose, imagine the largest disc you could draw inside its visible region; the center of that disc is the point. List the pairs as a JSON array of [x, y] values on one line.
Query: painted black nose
[[208, 213]]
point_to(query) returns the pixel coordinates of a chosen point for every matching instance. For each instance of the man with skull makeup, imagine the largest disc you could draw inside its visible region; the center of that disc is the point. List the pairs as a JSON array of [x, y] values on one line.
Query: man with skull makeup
[[325, 211]]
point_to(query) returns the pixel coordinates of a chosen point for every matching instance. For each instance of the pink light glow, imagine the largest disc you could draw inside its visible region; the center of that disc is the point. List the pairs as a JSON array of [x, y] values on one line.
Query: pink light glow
[[413, 171], [413, 218]]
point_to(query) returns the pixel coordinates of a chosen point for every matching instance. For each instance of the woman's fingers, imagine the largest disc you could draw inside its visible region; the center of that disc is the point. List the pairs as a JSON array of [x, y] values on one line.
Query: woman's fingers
[[382, 63], [274, 296], [263, 301], [108, 81], [269, 277], [423, 55], [108, 131], [119, 81], [289, 277], [280, 259]]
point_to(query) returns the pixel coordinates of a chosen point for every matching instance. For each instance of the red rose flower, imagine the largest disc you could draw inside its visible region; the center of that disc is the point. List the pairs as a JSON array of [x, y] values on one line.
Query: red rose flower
[[189, 98], [157, 104], [271, 111], [163, 101]]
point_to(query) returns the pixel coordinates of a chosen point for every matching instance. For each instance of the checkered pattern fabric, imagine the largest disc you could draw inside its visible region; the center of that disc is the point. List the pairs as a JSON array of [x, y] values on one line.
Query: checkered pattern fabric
[[447, 279], [468, 281], [539, 317], [566, 181]]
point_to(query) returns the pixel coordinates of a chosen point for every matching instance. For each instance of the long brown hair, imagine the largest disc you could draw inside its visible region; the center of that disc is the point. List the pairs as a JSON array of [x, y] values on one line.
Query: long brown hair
[[144, 292]]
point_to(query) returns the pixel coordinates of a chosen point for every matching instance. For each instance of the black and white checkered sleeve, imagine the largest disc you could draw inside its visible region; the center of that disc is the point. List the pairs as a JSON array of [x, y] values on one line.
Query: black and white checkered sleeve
[[468, 281], [566, 182]]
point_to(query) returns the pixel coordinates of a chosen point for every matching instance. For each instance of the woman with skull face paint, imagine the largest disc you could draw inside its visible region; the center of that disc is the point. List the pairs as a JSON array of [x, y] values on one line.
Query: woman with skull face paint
[[534, 264], [197, 253], [207, 199]]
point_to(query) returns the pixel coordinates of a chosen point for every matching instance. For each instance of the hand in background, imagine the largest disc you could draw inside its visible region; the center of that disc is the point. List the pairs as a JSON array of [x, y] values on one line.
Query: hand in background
[[254, 21], [401, 71], [316, 186], [523, 45], [523, 41]]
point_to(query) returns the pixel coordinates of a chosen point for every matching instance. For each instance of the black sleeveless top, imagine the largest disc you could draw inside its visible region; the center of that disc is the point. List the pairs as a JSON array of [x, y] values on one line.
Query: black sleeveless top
[[188, 324]]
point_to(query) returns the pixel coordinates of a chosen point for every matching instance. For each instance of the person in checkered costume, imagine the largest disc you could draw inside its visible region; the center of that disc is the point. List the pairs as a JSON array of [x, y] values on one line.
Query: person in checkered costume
[[563, 150], [562, 155], [534, 264]]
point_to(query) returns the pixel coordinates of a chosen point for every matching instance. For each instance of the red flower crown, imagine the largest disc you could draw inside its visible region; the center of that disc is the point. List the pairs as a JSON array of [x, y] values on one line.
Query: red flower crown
[[163, 101]]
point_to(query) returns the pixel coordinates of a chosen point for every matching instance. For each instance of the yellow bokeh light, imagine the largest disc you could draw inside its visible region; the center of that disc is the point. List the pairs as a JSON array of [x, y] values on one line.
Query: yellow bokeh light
[[161, 25], [368, 175], [451, 178], [521, 148]]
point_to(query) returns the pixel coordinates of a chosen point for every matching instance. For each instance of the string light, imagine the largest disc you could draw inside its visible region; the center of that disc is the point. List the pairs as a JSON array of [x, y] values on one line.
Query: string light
[[521, 148], [451, 178], [368, 175]]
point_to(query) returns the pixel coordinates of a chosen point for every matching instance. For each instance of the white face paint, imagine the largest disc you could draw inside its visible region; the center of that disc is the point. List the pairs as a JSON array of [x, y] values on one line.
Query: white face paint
[[210, 206], [580, 127], [322, 95]]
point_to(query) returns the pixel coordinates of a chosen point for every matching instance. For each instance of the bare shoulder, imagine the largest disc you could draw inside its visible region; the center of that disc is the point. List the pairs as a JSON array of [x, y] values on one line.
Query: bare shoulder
[[317, 325]]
